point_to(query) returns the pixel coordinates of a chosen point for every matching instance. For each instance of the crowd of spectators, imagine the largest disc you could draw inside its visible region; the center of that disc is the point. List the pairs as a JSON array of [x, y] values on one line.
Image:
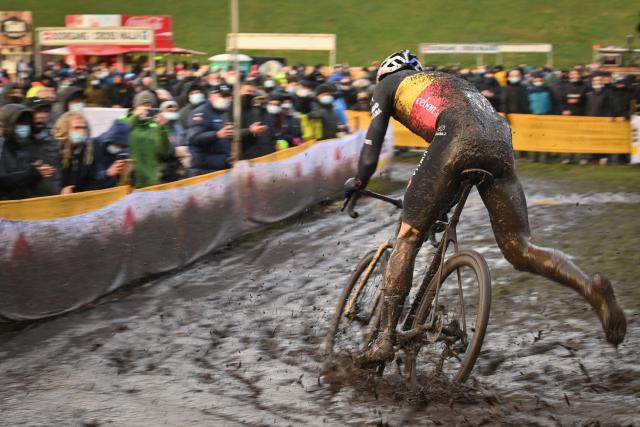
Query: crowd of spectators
[[180, 124]]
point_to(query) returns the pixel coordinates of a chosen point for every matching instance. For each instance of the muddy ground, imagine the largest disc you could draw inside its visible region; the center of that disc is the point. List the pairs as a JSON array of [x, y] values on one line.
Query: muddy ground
[[236, 338]]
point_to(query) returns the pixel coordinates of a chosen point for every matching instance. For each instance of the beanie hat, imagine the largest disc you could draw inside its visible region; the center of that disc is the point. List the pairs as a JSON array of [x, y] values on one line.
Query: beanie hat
[[144, 97]]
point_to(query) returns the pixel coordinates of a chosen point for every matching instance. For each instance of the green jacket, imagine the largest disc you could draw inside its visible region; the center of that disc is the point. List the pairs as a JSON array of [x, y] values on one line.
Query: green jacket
[[149, 144]]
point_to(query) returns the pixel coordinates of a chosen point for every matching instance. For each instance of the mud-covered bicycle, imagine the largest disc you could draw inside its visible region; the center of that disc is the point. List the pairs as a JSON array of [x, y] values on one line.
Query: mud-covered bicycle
[[443, 323]]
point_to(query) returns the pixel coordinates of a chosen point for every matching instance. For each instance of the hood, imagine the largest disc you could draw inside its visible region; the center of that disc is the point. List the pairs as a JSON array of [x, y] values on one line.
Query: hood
[[4, 93], [118, 134], [9, 116], [68, 93]]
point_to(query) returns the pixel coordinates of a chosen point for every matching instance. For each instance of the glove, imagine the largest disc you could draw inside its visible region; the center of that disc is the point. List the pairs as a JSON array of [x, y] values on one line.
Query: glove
[[352, 185]]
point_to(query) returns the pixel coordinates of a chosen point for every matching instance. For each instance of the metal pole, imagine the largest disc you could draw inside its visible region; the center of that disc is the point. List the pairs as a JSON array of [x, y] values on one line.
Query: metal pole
[[236, 149], [153, 58], [37, 55]]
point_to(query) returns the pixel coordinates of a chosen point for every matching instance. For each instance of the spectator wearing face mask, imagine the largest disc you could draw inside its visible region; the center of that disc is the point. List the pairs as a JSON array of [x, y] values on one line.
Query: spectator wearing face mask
[[111, 151], [490, 88], [210, 132], [172, 167], [325, 117], [348, 92], [514, 96], [196, 98], [540, 96], [148, 139], [72, 133], [19, 172], [573, 95], [598, 100], [621, 98], [44, 147], [284, 128], [71, 98], [304, 97]]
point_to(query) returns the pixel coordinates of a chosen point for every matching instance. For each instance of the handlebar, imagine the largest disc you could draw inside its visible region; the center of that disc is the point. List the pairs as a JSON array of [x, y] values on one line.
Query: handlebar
[[350, 202]]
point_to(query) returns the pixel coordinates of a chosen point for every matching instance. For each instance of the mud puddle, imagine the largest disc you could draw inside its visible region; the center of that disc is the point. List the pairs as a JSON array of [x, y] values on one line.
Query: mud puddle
[[236, 338]]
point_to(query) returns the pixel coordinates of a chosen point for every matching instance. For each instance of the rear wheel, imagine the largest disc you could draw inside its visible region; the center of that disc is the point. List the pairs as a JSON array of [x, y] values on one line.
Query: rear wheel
[[355, 320], [457, 320]]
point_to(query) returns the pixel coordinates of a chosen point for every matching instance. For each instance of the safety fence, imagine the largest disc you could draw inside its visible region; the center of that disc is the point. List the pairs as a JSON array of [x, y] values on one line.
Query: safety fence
[[58, 253], [556, 134]]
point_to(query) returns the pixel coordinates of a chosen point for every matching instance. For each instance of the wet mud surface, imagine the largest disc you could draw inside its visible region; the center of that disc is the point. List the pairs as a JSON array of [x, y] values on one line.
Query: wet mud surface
[[236, 338]]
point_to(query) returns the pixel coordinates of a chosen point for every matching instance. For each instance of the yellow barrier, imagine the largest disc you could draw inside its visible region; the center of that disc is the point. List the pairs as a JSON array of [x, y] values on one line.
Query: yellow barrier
[[54, 207], [557, 134], [567, 134]]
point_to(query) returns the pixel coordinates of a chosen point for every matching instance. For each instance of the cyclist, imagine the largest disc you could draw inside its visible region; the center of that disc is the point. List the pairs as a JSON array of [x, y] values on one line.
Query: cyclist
[[465, 132]]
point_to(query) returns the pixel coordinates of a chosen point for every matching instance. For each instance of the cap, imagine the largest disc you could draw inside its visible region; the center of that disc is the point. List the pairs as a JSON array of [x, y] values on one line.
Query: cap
[[168, 104], [222, 89], [38, 103], [144, 97]]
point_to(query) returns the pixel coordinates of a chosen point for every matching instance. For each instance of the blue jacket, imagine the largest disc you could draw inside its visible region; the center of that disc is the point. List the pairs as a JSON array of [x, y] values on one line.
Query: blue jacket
[[208, 152], [541, 100], [117, 134]]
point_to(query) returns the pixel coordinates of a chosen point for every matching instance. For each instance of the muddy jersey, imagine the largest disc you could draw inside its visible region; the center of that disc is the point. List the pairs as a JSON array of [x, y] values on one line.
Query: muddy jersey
[[418, 99]]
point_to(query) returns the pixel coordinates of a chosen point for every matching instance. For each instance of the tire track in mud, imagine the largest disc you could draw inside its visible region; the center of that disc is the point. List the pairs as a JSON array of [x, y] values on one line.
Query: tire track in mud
[[235, 339]]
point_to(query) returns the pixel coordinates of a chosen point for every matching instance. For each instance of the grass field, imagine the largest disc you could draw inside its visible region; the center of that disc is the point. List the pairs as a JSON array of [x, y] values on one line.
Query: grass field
[[370, 29]]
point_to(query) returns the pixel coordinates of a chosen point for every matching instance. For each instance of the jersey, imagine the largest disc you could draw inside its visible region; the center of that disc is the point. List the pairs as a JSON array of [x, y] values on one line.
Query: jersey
[[417, 99]]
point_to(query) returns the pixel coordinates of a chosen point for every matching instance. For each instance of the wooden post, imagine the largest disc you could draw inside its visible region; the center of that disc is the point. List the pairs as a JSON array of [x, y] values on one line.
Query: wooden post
[[236, 148]]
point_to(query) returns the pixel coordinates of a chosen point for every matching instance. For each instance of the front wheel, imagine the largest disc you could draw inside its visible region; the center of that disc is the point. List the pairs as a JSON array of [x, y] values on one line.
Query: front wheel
[[356, 317], [455, 315]]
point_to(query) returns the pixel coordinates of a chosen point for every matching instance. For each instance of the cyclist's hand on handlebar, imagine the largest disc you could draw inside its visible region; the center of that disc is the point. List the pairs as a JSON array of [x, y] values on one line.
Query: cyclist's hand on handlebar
[[351, 186]]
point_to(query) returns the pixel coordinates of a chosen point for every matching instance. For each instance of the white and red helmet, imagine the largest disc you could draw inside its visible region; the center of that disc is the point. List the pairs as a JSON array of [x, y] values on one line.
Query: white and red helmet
[[402, 60]]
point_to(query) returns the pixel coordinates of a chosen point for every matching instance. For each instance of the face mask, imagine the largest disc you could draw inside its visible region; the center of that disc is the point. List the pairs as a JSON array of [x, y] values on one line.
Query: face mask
[[538, 84], [221, 103], [514, 80], [23, 131], [597, 87], [77, 107], [196, 98], [292, 90], [113, 149], [574, 80], [269, 84], [170, 115], [287, 105], [231, 80], [78, 138], [273, 109], [326, 99], [95, 82], [303, 93]]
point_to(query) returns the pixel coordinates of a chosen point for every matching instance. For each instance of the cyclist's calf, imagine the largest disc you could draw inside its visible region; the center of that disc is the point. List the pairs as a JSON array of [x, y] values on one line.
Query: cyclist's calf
[[400, 266]]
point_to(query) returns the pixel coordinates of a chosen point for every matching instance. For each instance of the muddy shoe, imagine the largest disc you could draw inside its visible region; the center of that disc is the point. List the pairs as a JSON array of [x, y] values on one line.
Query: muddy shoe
[[380, 351], [611, 315]]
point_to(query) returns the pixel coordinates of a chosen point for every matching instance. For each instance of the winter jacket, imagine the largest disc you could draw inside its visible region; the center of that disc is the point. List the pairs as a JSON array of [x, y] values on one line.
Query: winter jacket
[[149, 145], [513, 99], [120, 94], [18, 177], [117, 134], [208, 152], [572, 97], [328, 117], [45, 148], [599, 104], [541, 100]]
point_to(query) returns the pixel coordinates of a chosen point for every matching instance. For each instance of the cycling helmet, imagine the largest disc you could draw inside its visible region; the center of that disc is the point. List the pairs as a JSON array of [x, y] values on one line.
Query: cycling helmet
[[402, 60]]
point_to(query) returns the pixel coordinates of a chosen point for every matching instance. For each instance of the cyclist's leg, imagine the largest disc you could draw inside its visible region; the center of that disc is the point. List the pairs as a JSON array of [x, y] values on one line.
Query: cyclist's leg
[[432, 188], [507, 208]]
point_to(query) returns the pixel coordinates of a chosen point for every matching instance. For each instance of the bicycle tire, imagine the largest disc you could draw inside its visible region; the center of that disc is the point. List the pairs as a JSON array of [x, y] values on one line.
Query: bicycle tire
[[341, 325], [478, 325]]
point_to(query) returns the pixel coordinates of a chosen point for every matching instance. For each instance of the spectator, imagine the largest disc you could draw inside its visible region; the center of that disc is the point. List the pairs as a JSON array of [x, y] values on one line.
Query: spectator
[[111, 153], [196, 98], [284, 129], [70, 99], [120, 94], [541, 99], [19, 173], [363, 102], [573, 95], [11, 94], [210, 132], [171, 168], [255, 139], [44, 148], [598, 100], [490, 88], [72, 133], [621, 98], [148, 140], [96, 94], [304, 97], [514, 96], [324, 114], [347, 91]]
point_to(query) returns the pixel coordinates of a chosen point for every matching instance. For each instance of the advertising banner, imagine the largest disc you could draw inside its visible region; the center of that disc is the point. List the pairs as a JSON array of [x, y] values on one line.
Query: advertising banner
[[95, 36]]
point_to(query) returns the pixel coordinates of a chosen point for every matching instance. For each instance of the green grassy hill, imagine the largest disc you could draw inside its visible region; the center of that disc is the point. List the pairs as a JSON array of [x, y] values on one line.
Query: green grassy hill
[[370, 29]]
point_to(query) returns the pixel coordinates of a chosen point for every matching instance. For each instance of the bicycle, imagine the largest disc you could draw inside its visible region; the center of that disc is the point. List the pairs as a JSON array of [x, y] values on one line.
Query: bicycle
[[432, 332]]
